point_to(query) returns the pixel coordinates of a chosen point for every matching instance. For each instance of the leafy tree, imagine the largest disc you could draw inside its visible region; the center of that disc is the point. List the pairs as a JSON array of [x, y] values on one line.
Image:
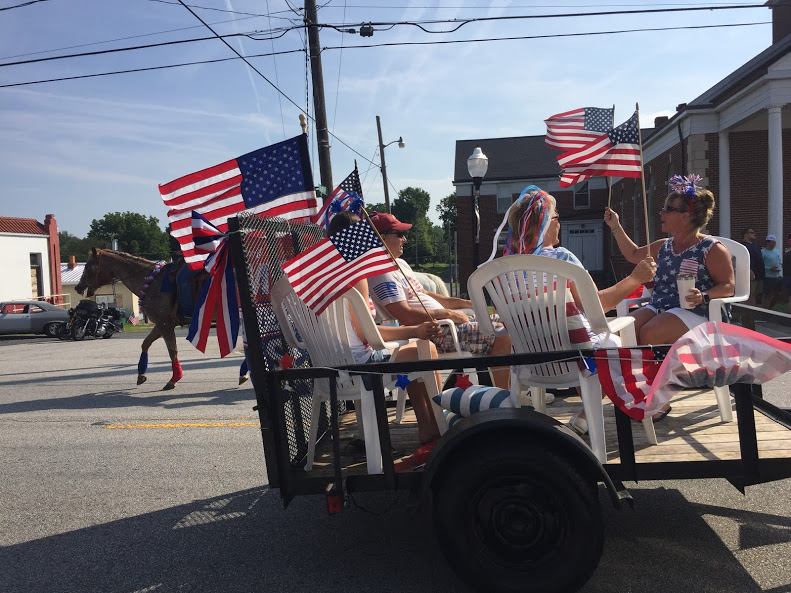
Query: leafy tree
[[136, 234], [411, 204], [73, 245], [448, 212], [376, 207]]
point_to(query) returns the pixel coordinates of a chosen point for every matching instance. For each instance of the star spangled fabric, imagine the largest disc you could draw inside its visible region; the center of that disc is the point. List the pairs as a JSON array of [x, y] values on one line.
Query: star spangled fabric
[[576, 128], [329, 268], [340, 199], [712, 354], [276, 180], [618, 155]]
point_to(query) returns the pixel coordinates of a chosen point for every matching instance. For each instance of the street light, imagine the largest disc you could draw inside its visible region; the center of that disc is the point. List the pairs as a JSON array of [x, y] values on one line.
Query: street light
[[477, 165], [382, 155]]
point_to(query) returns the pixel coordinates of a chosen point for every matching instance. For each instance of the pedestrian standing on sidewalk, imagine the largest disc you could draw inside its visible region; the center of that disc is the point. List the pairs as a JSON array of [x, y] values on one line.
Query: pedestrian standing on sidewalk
[[773, 269]]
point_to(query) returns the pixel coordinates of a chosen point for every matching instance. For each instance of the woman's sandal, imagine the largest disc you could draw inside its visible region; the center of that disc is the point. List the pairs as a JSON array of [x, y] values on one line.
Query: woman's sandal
[[578, 424]]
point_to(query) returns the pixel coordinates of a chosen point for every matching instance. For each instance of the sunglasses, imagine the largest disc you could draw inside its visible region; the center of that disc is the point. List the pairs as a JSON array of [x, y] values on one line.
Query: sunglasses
[[672, 209], [399, 234]]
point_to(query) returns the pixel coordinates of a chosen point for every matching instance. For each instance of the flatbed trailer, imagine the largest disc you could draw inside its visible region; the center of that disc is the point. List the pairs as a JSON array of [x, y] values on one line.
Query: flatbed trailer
[[512, 493]]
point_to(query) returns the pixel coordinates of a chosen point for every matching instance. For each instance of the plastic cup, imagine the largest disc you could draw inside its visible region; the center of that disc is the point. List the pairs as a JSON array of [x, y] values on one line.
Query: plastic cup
[[685, 282]]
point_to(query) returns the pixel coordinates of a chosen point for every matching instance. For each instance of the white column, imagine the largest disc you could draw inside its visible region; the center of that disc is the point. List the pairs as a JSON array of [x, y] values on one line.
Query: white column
[[724, 199], [776, 172]]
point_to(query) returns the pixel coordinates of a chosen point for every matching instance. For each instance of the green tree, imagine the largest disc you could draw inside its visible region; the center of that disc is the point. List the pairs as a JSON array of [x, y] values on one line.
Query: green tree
[[448, 212], [136, 234], [411, 204], [73, 245], [376, 207]]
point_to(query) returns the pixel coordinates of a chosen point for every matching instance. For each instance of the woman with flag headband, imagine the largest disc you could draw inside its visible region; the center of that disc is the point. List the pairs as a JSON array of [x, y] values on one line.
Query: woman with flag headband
[[534, 229], [688, 208]]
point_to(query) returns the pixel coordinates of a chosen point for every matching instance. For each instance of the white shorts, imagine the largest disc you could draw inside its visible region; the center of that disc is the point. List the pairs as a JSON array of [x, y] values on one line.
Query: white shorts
[[689, 318]]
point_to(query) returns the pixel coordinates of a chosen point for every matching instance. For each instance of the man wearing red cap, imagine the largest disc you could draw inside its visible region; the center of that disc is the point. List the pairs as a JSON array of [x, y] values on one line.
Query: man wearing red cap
[[402, 301]]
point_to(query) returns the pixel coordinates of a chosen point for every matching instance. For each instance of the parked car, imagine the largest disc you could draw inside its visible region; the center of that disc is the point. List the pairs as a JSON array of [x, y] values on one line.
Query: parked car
[[31, 317]]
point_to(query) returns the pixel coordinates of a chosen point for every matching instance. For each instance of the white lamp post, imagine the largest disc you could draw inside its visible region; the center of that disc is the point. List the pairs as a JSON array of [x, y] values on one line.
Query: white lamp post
[[477, 165]]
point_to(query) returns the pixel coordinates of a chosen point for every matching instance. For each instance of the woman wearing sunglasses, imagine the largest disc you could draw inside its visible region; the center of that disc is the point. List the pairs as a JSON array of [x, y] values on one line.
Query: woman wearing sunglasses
[[687, 210]]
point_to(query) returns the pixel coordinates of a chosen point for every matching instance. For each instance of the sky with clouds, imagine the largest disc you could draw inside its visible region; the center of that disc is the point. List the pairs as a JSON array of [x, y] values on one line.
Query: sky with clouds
[[85, 147]]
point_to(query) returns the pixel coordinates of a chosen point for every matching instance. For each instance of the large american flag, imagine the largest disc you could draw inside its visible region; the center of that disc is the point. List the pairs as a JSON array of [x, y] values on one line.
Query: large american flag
[[712, 354], [275, 180], [617, 155], [340, 199], [329, 268], [576, 128]]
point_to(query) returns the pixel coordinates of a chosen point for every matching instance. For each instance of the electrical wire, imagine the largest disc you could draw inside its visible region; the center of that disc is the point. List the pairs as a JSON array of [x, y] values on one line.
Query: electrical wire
[[340, 63], [23, 4], [277, 79], [548, 36], [228, 11], [546, 16]]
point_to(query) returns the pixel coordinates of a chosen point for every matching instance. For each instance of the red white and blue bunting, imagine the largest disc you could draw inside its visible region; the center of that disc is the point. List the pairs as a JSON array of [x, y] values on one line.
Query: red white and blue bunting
[[219, 292]]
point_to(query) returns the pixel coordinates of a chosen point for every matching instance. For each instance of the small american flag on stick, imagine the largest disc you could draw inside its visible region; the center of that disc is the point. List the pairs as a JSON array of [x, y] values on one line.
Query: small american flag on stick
[[331, 267]]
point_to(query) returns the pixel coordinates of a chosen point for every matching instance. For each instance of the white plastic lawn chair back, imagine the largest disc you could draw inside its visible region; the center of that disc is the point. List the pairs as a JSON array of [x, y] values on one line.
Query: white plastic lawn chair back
[[326, 340], [530, 294]]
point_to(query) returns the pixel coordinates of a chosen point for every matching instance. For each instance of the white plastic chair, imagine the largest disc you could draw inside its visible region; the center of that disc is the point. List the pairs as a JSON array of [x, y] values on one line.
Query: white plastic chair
[[326, 339], [741, 269], [530, 295]]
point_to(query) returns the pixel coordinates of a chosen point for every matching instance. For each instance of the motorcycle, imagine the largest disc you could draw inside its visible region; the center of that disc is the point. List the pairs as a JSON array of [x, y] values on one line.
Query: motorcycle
[[90, 319]]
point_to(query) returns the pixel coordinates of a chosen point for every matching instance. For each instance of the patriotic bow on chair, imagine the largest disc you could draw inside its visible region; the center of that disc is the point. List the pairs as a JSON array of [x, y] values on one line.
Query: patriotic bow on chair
[[219, 292]]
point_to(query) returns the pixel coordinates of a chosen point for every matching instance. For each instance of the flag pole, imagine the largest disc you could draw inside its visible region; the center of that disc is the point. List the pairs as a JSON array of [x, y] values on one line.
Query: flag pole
[[392, 257], [642, 175], [609, 179]]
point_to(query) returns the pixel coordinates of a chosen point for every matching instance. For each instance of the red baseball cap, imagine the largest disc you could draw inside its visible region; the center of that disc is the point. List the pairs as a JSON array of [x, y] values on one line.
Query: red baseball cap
[[386, 223]]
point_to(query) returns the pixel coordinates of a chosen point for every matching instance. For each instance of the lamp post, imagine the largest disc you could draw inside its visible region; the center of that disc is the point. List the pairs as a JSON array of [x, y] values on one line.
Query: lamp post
[[477, 165], [382, 155]]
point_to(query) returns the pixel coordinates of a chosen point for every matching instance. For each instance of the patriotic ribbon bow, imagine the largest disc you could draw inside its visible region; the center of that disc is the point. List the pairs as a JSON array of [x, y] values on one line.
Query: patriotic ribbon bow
[[219, 292]]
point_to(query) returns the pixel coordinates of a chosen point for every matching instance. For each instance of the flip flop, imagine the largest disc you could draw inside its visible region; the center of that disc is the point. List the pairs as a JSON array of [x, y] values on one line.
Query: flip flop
[[663, 415]]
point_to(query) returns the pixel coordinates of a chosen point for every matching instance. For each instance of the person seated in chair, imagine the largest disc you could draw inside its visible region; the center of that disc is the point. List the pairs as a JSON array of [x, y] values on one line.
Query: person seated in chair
[[534, 229], [687, 210], [401, 296], [363, 353]]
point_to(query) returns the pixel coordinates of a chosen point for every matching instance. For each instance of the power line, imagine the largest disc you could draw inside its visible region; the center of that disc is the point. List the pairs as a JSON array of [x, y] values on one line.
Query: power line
[[547, 36], [394, 44], [23, 4], [228, 11], [257, 71], [461, 23]]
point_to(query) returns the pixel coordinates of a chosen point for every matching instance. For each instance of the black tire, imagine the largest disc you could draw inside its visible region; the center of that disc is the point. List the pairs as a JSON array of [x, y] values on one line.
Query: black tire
[[512, 516], [78, 331], [64, 332], [108, 331], [51, 329]]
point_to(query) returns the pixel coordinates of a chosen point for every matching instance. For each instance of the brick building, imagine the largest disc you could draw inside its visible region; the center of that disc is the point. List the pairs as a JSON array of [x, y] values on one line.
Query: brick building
[[732, 136]]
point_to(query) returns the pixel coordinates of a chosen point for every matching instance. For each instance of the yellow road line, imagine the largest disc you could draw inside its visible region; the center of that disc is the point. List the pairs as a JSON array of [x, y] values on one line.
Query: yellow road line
[[185, 425]]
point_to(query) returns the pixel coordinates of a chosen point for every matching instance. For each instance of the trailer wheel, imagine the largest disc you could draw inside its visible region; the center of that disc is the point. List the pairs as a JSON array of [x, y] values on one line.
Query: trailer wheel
[[513, 516]]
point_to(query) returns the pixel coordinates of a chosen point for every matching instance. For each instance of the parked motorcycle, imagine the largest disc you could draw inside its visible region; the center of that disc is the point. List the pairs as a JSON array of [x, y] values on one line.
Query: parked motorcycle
[[91, 319]]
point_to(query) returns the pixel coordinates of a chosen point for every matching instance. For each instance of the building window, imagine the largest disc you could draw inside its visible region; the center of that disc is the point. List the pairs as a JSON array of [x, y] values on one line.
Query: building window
[[36, 279], [582, 198], [504, 203]]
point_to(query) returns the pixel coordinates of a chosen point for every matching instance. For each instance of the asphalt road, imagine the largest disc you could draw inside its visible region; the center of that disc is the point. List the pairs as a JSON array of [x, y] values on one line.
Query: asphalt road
[[172, 506]]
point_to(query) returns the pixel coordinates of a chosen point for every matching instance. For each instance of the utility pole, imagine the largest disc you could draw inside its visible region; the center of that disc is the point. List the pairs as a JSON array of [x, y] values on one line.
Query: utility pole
[[384, 167], [322, 134]]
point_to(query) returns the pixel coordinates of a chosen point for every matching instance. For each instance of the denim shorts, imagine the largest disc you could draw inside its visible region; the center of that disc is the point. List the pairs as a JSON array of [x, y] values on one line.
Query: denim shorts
[[377, 356]]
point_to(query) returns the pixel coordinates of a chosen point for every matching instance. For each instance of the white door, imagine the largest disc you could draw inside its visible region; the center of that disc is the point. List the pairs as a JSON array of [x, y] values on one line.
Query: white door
[[586, 241]]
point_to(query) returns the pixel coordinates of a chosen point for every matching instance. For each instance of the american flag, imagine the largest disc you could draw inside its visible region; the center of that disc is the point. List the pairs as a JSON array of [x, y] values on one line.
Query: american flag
[[340, 199], [133, 319], [576, 128], [329, 268], [618, 155], [275, 180], [712, 354]]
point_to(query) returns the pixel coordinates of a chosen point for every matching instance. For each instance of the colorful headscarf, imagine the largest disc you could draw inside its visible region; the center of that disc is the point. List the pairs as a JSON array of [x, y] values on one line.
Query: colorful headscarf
[[539, 205]]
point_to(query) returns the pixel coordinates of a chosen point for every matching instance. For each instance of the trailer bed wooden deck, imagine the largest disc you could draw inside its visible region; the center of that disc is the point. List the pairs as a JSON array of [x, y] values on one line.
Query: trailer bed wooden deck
[[692, 431]]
